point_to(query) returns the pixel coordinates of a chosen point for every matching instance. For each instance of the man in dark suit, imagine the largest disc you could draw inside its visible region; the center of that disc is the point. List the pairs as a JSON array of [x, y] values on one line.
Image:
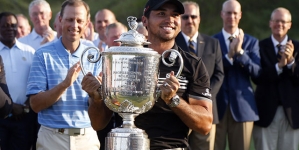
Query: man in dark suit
[[277, 88], [235, 99], [208, 49]]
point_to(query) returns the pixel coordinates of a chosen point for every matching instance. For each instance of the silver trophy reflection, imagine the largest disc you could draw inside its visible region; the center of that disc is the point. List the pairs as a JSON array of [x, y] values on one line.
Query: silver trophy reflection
[[129, 85]]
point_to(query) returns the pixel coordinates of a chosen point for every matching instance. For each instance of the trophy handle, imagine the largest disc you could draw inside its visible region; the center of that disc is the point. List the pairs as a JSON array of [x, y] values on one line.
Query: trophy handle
[[89, 57], [173, 54]]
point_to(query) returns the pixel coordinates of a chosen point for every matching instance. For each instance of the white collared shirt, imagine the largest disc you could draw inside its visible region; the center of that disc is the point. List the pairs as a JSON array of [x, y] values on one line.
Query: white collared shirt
[[275, 42], [33, 39], [97, 41], [17, 62]]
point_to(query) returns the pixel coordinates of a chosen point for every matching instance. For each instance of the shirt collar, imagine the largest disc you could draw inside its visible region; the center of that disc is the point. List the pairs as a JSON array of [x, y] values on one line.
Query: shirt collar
[[79, 50], [187, 38], [226, 35], [63, 52], [283, 42], [17, 44], [35, 35], [2, 46], [60, 48]]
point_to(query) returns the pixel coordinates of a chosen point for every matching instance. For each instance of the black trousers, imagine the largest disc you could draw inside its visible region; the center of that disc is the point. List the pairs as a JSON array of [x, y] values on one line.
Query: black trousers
[[18, 134]]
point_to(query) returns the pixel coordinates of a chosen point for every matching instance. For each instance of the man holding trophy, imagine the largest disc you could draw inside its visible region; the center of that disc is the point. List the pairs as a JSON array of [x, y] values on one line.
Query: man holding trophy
[[184, 102]]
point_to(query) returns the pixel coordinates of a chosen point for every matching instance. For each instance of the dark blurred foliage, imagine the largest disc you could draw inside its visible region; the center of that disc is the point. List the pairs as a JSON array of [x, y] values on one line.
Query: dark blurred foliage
[[255, 16]]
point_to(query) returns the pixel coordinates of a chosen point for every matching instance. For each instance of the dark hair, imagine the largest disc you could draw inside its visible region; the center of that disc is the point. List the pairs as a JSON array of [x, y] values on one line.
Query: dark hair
[[146, 15], [74, 3], [5, 14]]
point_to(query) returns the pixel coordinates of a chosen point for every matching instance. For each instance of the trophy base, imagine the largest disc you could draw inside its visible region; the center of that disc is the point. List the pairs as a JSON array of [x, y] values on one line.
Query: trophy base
[[127, 139]]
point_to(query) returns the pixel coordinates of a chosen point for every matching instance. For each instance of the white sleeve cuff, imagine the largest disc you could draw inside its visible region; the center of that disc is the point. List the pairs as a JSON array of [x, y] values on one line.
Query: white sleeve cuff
[[290, 64], [278, 70], [231, 60]]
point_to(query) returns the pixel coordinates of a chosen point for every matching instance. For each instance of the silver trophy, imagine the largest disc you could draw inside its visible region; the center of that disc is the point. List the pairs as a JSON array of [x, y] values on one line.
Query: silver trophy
[[130, 84]]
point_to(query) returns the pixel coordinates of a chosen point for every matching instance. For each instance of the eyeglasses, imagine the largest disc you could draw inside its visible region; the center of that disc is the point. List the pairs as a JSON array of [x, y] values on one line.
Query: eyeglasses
[[186, 17], [280, 21], [9, 26]]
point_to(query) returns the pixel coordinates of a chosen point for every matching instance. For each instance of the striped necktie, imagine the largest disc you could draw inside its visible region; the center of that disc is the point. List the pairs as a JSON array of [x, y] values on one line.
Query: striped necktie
[[230, 38], [191, 47], [278, 50]]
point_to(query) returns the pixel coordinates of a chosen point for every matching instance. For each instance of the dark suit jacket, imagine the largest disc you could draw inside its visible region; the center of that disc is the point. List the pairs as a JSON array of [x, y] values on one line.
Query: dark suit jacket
[[208, 49], [272, 87], [236, 91]]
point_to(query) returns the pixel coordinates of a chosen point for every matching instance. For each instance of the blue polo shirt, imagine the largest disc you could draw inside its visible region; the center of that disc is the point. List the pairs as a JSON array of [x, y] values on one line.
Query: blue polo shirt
[[49, 68]]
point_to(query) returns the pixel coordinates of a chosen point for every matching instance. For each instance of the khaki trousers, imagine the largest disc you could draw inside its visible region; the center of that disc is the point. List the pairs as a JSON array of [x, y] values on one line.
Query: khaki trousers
[[279, 135], [49, 140], [238, 133], [199, 141]]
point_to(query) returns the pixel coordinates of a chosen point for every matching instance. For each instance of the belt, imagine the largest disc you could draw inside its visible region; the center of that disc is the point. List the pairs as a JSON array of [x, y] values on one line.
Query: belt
[[67, 131]]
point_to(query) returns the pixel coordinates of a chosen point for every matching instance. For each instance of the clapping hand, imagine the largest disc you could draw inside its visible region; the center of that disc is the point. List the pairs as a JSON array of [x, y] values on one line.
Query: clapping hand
[[288, 51], [236, 45], [48, 36], [286, 54]]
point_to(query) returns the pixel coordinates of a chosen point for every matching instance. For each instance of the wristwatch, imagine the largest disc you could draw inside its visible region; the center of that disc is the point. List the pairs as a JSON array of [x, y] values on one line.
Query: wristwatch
[[175, 101], [241, 52], [26, 109]]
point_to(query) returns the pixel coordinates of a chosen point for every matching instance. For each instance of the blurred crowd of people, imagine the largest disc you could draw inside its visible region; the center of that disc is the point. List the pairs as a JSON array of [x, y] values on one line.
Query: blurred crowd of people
[[43, 92]]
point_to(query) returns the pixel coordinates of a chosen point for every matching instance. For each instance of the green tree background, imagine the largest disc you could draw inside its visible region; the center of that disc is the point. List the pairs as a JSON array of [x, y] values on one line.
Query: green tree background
[[255, 17]]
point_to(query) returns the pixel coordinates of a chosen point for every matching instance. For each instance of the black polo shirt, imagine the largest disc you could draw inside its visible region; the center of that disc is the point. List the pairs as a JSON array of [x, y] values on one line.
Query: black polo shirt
[[164, 128]]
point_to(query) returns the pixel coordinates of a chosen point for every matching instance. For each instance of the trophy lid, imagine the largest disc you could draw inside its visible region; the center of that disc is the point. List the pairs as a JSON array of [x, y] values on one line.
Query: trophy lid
[[132, 37]]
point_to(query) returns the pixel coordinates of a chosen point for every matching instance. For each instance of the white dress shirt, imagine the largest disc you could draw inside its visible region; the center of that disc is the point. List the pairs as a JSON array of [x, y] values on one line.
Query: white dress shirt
[[194, 39], [97, 41], [33, 39], [17, 62]]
